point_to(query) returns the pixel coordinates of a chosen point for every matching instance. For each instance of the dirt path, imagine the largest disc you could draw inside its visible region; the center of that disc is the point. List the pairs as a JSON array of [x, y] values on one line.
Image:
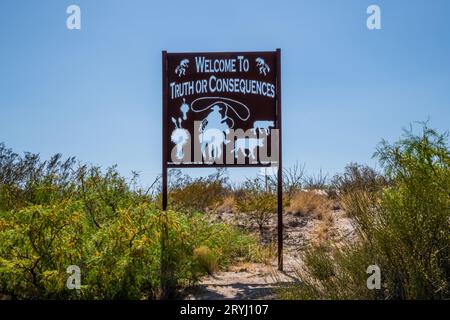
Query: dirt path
[[244, 282], [257, 281]]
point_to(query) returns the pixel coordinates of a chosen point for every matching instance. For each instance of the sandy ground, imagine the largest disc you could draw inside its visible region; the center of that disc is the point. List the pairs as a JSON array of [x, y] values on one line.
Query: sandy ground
[[257, 281], [242, 282]]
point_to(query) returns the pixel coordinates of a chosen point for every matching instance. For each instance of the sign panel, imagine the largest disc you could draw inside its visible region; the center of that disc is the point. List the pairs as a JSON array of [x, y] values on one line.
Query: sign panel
[[221, 109]]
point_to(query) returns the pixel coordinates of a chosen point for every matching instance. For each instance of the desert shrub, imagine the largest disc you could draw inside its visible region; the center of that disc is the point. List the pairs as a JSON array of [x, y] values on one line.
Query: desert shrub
[[130, 257], [37, 244], [358, 177], [125, 257], [328, 272], [262, 253], [227, 205], [124, 244], [228, 242], [357, 184], [103, 194], [315, 204], [27, 179], [206, 258], [324, 229], [318, 181], [256, 203], [403, 228], [309, 202], [293, 179], [200, 194]]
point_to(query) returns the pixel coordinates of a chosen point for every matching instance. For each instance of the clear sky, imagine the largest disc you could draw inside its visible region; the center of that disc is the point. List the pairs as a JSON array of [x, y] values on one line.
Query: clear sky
[[95, 93]]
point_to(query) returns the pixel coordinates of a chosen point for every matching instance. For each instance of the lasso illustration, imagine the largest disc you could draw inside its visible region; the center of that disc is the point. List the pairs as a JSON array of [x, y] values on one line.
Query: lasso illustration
[[225, 102]]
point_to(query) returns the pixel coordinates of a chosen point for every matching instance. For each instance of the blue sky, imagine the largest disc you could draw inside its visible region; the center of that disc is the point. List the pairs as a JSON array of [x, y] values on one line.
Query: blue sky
[[95, 93]]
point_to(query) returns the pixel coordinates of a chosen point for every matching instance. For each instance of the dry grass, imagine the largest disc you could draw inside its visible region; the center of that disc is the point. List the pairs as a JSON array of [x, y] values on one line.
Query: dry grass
[[265, 253], [312, 203], [199, 195], [242, 267], [227, 205], [324, 229], [207, 259], [309, 202]]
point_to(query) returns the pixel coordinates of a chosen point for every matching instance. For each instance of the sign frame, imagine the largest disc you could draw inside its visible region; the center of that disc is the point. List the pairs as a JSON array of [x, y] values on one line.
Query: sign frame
[[165, 134]]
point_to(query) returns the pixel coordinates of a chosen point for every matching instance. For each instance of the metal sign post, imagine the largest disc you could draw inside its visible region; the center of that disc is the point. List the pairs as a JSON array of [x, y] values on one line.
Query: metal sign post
[[164, 130], [280, 166], [223, 109]]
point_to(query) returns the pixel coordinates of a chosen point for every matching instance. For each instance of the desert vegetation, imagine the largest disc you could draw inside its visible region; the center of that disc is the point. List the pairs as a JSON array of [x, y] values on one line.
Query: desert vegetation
[[58, 213], [402, 223], [61, 212]]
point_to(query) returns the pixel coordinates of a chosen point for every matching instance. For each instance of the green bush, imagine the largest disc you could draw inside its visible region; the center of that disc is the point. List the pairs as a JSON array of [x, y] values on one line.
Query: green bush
[[257, 203], [256, 200], [121, 260], [200, 194], [402, 227], [53, 215], [206, 258], [358, 177], [37, 244]]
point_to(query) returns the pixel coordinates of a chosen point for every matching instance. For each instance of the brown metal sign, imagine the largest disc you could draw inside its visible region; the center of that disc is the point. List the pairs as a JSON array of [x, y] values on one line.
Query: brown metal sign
[[221, 109]]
